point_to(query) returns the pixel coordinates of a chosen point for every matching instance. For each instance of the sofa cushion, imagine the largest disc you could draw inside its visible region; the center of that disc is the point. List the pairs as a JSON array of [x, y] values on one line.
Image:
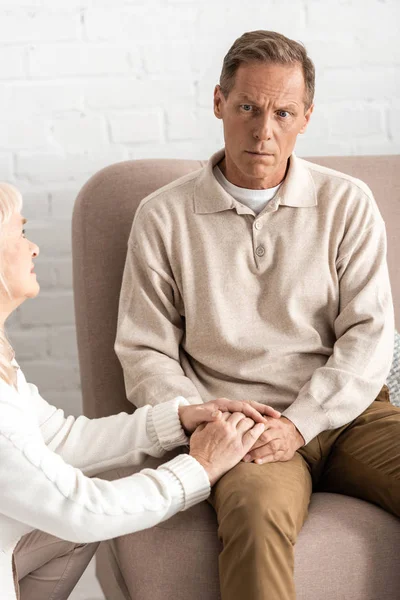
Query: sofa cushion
[[393, 380]]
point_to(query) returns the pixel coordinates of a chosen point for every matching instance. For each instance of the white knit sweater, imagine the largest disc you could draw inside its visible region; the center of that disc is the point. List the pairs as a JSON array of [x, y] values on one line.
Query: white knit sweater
[[47, 459]]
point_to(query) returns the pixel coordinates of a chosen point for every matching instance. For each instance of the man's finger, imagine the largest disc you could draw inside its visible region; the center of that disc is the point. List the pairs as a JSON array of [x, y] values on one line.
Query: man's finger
[[270, 435], [258, 443], [276, 457], [265, 450]]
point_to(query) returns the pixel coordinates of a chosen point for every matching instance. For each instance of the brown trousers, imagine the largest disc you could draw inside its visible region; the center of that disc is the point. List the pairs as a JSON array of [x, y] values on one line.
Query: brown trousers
[[47, 568], [261, 508]]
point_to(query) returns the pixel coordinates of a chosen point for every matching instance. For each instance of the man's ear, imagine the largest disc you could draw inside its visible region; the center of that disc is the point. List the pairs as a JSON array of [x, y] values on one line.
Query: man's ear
[[218, 101], [307, 116]]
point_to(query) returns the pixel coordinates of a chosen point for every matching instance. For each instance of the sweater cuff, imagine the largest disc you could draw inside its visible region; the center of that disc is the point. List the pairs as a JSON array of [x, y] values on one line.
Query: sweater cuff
[[163, 424], [192, 477], [308, 417]]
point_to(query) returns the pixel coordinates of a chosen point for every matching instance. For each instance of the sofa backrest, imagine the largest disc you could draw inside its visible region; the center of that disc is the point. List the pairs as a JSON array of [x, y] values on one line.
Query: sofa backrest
[[102, 219]]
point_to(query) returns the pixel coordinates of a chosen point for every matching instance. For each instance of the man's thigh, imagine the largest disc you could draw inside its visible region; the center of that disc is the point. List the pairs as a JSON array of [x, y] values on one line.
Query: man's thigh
[[365, 458], [254, 492]]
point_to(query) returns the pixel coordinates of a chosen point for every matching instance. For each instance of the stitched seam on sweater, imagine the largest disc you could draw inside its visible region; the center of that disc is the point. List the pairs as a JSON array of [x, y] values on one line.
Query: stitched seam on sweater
[[162, 191], [352, 250], [134, 246], [341, 176]]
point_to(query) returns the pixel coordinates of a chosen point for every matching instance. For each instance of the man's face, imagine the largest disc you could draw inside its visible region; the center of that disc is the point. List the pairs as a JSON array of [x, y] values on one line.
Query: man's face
[[262, 116]]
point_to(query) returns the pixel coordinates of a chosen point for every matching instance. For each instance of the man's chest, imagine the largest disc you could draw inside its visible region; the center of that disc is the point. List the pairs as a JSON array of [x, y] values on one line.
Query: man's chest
[[276, 263]]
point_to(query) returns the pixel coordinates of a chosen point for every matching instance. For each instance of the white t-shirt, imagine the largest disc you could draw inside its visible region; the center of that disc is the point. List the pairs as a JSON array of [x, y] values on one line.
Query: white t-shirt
[[254, 199]]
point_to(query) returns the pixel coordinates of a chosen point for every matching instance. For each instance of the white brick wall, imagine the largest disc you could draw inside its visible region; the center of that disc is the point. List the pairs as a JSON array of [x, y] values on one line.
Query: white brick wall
[[85, 83]]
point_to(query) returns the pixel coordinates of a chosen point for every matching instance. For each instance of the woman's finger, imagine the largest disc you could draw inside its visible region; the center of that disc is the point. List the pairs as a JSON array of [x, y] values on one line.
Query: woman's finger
[[251, 436], [225, 415], [235, 418], [265, 409], [247, 408], [244, 425]]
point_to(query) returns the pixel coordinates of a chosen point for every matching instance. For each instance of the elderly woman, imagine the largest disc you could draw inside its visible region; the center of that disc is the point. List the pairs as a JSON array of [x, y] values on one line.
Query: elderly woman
[[52, 515]]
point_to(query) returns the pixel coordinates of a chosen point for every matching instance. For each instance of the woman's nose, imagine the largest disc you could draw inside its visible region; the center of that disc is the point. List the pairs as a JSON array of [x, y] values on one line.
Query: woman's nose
[[35, 250]]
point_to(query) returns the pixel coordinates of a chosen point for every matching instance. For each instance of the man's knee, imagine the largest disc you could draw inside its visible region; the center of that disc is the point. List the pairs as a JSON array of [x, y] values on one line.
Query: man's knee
[[251, 505]]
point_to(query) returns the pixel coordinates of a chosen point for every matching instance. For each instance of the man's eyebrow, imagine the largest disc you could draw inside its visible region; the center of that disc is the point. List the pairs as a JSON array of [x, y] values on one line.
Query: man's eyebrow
[[277, 103], [23, 221]]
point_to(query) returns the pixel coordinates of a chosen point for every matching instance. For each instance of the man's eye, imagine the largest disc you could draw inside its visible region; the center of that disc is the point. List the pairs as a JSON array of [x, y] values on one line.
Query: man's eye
[[247, 107], [283, 113], [23, 233]]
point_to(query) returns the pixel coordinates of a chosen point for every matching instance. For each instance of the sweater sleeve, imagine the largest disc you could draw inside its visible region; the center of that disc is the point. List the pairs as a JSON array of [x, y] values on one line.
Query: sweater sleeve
[[351, 379], [41, 490], [150, 327], [85, 443]]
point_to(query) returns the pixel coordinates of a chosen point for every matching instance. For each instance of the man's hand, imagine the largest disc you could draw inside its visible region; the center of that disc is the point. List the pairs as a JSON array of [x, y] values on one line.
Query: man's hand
[[193, 415], [279, 442]]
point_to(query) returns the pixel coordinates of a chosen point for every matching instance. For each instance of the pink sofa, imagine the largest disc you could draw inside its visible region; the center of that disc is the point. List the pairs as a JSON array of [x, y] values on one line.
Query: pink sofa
[[348, 549]]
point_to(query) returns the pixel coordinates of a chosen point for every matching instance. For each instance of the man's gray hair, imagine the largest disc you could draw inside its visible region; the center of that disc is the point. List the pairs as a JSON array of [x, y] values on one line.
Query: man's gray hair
[[267, 47]]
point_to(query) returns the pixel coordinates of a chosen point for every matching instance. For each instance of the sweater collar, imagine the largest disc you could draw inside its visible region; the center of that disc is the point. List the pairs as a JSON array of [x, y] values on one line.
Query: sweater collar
[[297, 189]]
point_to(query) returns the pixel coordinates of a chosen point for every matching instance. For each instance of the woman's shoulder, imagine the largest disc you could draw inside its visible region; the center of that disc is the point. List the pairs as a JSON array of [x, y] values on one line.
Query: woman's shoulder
[[15, 401], [22, 386]]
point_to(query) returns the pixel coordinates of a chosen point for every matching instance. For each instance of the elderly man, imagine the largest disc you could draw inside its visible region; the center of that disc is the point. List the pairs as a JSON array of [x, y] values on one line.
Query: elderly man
[[263, 277]]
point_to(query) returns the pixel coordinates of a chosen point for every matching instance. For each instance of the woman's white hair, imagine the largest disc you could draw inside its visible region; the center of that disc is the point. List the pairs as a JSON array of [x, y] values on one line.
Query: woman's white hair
[[10, 202]]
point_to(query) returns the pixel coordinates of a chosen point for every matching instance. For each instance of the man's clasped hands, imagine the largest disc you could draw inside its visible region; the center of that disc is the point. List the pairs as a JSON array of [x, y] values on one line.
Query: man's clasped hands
[[223, 432]]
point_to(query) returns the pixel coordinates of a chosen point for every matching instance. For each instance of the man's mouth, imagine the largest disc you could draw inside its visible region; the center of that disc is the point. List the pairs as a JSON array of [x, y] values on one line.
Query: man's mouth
[[259, 153]]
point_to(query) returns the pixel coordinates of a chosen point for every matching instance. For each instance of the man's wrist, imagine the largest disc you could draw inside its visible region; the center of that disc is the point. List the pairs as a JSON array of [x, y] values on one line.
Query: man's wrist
[[301, 440]]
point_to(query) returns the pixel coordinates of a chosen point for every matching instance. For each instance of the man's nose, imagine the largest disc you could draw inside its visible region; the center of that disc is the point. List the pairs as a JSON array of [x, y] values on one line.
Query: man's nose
[[263, 129]]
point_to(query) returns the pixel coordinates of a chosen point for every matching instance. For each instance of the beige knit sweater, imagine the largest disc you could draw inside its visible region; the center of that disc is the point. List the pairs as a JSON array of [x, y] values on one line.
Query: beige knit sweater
[[291, 308]]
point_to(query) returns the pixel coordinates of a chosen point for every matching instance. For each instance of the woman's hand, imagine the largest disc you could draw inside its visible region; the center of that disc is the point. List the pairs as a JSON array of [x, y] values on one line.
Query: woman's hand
[[220, 445], [193, 415]]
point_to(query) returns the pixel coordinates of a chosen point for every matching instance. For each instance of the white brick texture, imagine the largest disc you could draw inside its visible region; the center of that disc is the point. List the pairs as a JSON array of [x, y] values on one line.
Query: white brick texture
[[70, 60], [43, 98], [86, 83], [79, 131], [136, 127], [13, 61], [20, 134], [39, 26], [6, 167]]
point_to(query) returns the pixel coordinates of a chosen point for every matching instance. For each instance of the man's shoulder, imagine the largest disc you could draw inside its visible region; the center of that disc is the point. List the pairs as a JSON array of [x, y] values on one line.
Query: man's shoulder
[[174, 194], [323, 176]]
